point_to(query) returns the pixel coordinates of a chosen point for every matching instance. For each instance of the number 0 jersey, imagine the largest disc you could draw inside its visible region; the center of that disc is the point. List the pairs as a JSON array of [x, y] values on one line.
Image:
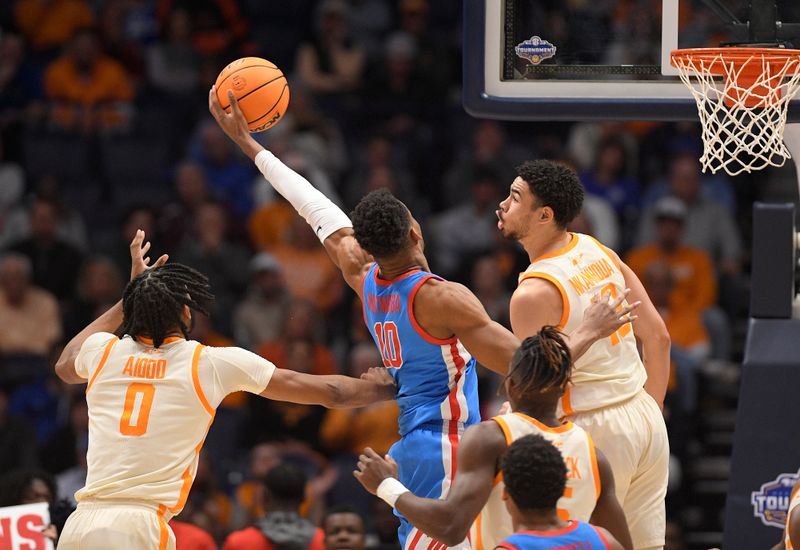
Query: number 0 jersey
[[150, 410], [436, 383], [610, 371]]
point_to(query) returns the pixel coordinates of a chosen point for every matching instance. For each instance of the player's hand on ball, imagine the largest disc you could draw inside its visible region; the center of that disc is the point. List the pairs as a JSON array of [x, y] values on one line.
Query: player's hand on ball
[[604, 316], [234, 123], [139, 259], [373, 469]]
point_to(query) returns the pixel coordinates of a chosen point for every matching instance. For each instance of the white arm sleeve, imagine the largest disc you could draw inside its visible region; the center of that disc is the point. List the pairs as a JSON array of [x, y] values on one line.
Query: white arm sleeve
[[324, 217]]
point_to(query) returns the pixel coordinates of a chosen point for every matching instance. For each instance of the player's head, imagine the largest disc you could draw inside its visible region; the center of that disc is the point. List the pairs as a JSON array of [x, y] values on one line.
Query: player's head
[[544, 196], [534, 475], [384, 226], [26, 487], [285, 486], [540, 369], [160, 301], [344, 529]]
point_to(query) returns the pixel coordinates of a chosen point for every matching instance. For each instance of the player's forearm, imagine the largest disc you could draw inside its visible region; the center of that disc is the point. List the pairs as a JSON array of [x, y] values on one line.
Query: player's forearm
[[655, 355], [348, 393], [107, 322], [439, 519], [324, 217], [580, 341]]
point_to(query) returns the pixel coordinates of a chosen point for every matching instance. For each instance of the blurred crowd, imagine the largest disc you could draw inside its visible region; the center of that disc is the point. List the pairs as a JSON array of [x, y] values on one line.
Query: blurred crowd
[[104, 129]]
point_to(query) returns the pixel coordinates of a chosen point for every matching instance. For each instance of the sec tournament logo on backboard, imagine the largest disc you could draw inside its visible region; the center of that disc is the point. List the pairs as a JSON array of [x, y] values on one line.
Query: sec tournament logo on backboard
[[535, 50], [771, 502]]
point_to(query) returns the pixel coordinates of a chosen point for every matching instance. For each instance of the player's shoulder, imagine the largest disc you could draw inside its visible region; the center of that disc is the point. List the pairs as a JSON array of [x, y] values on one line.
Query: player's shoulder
[[98, 340], [536, 288]]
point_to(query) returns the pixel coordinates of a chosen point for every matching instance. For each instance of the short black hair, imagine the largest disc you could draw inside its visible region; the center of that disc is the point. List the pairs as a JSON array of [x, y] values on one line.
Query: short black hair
[[381, 223], [13, 485], [541, 362], [152, 303], [341, 509], [556, 186], [534, 473], [286, 483]]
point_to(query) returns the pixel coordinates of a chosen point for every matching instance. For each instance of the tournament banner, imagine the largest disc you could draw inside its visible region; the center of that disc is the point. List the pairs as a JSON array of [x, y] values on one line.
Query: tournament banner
[[21, 527]]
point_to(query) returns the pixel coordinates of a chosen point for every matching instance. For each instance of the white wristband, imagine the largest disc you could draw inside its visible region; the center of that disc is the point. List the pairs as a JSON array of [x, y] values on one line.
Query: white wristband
[[390, 490]]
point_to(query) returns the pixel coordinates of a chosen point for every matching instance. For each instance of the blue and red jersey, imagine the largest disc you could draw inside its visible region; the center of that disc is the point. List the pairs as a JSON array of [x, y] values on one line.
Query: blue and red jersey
[[437, 387], [578, 535]]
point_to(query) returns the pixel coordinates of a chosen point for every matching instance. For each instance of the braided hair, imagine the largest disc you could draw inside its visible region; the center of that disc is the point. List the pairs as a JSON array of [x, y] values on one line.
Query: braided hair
[[542, 362], [152, 304]]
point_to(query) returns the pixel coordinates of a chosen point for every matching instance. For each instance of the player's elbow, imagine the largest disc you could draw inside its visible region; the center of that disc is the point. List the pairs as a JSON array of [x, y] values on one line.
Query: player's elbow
[[453, 535], [65, 370]]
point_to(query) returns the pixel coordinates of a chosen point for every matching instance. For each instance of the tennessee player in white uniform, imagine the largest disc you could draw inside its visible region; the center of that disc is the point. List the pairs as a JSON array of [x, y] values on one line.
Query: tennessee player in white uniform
[[152, 395], [615, 395], [792, 530], [538, 376]]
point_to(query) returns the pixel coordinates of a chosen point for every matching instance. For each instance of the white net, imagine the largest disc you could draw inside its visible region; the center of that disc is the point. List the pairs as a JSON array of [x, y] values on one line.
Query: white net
[[743, 114]]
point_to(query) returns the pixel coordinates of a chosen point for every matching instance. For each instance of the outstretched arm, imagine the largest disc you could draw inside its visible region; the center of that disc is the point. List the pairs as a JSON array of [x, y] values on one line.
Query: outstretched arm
[[537, 303], [332, 226], [607, 511], [447, 520], [108, 321], [333, 392]]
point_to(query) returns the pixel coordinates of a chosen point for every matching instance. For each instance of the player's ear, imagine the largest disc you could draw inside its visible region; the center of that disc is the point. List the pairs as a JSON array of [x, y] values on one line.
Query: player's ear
[[546, 214]]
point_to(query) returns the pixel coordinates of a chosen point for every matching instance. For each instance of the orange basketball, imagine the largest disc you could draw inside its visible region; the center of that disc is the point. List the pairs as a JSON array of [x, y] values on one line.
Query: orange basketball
[[260, 88]]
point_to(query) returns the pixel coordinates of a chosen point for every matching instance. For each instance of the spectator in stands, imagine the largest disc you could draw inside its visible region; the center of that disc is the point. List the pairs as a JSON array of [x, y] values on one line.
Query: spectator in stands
[[250, 493], [59, 453], [346, 432], [17, 442], [609, 178], [709, 226], [385, 525], [690, 342], [20, 93], [50, 24], [598, 219], [100, 285], [12, 186], [191, 191], [331, 63], [173, 63], [191, 537], [307, 269], [486, 281], [469, 229], [218, 26], [55, 262], [87, 89], [230, 178], [29, 317], [73, 479], [137, 216], [281, 527], [116, 37], [207, 499], [222, 261], [432, 62], [257, 318], [344, 529]]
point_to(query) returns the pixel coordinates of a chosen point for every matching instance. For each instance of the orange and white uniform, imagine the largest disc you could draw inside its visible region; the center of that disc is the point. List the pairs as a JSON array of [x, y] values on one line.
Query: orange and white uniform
[[149, 412], [793, 503], [606, 396], [493, 524]]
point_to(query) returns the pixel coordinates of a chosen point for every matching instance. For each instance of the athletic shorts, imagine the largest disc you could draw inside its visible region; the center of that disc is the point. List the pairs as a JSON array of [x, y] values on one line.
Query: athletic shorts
[[633, 437], [101, 526], [426, 459]]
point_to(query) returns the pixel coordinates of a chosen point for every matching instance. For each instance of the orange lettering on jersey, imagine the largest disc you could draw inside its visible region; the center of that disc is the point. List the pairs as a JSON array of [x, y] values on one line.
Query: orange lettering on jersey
[[128, 366], [144, 367], [589, 276], [572, 467]]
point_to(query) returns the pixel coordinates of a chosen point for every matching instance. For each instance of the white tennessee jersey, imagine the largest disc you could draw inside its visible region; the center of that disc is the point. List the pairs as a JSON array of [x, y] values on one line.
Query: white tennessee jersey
[[793, 503], [611, 371], [493, 524], [150, 410]]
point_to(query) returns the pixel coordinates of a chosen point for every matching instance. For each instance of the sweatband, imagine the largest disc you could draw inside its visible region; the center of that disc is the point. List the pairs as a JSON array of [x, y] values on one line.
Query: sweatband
[[324, 217], [390, 490]]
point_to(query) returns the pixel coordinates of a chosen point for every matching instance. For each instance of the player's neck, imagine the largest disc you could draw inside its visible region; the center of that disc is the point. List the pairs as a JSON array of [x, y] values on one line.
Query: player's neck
[[543, 412], [538, 520], [395, 267], [538, 245]]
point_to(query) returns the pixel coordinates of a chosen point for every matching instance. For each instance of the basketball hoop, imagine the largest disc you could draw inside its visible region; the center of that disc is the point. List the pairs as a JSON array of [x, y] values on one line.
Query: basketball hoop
[[744, 113]]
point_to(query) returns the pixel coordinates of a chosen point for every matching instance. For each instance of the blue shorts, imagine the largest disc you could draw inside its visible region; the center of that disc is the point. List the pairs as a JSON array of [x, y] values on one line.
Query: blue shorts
[[426, 459]]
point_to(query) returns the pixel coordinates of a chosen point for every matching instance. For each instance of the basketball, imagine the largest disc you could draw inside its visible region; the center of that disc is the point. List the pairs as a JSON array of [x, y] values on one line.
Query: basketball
[[260, 88]]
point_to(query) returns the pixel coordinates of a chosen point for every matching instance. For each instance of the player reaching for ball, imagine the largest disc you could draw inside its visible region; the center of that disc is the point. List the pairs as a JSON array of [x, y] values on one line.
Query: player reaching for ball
[[615, 394], [152, 394], [429, 331]]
